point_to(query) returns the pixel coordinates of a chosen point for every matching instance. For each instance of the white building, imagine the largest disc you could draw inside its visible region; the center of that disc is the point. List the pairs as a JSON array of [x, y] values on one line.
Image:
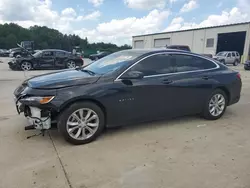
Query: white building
[[209, 40]]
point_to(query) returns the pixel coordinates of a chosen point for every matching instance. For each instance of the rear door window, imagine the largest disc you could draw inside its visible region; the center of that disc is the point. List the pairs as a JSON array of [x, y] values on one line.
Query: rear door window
[[60, 54], [233, 54], [186, 63]]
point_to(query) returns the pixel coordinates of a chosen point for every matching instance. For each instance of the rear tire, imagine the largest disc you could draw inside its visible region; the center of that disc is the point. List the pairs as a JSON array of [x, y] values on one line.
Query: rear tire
[[71, 64], [77, 130], [215, 105], [236, 62]]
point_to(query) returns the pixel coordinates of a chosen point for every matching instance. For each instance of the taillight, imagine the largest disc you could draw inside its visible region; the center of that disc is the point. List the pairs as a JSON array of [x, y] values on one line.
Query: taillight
[[238, 75], [82, 60]]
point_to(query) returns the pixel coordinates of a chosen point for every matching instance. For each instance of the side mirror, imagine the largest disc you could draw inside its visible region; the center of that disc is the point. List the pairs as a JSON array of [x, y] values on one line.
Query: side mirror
[[133, 75]]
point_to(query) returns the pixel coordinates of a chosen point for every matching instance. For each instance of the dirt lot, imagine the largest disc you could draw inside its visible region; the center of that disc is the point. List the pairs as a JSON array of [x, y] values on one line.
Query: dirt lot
[[187, 152]]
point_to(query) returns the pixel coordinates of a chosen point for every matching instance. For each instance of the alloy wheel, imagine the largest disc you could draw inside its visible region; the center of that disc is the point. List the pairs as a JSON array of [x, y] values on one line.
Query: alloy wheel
[[71, 64], [26, 66], [217, 105], [82, 124]]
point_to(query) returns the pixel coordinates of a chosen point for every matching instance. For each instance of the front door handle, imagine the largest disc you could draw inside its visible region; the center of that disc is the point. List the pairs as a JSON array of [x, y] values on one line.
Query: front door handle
[[166, 81]]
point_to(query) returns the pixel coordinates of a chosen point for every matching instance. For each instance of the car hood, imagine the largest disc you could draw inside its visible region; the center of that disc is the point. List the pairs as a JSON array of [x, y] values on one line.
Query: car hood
[[219, 57], [20, 59], [93, 55], [61, 79]]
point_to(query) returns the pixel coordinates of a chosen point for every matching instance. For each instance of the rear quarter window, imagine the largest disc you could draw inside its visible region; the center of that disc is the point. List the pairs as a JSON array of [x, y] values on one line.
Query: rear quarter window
[[185, 63], [60, 54]]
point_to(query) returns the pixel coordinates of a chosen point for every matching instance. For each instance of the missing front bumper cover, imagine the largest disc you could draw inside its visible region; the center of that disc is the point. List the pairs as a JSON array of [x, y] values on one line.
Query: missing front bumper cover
[[38, 118]]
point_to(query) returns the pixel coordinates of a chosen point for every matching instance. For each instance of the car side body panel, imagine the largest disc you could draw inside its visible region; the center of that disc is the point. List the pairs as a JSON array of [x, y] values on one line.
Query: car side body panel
[[51, 62]]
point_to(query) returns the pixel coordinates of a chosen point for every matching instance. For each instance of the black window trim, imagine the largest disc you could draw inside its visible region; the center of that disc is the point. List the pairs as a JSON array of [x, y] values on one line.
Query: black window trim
[[53, 52], [56, 53], [169, 53]]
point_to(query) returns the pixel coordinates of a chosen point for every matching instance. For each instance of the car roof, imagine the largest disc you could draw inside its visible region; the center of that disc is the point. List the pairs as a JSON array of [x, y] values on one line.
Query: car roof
[[15, 48], [55, 50], [228, 51], [158, 50], [178, 46]]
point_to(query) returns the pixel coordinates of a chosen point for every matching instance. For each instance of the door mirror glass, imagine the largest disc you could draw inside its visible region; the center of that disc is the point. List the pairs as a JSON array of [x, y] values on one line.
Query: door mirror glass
[[132, 75]]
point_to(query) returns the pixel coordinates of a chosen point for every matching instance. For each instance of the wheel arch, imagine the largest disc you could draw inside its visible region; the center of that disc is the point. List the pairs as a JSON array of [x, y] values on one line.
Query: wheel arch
[[66, 61], [226, 92], [26, 61], [98, 103]]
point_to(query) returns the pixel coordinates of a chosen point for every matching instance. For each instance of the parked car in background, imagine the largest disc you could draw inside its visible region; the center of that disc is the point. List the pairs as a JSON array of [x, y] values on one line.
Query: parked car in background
[[185, 48], [208, 55], [228, 57], [127, 87], [47, 59], [98, 55], [4, 53], [247, 65], [179, 47], [15, 52]]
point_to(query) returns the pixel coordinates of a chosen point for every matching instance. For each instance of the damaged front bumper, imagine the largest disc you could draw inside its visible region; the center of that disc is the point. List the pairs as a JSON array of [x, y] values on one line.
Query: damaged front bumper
[[37, 118], [13, 65]]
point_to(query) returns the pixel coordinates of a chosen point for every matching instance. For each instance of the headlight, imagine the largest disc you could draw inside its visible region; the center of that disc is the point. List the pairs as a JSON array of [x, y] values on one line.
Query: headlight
[[41, 100]]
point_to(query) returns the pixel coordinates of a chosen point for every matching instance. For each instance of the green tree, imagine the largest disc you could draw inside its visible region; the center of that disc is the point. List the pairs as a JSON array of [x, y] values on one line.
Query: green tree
[[44, 37], [11, 40]]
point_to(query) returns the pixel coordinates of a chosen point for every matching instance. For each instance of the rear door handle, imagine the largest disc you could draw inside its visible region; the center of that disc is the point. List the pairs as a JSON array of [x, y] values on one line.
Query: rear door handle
[[166, 81], [205, 77]]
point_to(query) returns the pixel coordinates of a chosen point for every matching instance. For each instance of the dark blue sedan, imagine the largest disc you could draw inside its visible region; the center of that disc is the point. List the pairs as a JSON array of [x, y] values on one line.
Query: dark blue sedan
[[127, 87]]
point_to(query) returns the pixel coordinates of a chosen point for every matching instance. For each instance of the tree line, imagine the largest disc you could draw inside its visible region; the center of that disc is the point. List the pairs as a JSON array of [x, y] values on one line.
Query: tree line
[[44, 38]]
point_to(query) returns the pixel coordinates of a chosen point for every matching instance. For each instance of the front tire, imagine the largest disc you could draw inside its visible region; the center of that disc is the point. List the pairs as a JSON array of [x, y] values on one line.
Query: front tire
[[223, 62], [26, 66], [81, 123], [17, 55], [216, 105]]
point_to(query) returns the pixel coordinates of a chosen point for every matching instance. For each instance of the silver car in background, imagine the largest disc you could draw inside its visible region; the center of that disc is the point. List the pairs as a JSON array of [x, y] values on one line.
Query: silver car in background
[[228, 57]]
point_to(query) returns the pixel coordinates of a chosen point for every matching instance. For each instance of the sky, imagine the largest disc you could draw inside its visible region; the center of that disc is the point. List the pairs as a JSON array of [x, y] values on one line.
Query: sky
[[117, 21]]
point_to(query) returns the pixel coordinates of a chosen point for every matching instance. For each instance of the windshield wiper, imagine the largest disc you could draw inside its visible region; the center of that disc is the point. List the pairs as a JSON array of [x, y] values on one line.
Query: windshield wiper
[[88, 71]]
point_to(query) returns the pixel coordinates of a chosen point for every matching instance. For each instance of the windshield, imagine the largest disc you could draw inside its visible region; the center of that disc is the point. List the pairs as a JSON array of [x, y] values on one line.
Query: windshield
[[112, 62], [222, 54], [38, 54]]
